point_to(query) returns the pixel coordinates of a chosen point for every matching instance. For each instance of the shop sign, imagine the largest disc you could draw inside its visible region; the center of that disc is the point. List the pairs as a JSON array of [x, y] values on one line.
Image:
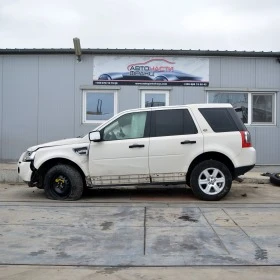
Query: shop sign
[[151, 71]]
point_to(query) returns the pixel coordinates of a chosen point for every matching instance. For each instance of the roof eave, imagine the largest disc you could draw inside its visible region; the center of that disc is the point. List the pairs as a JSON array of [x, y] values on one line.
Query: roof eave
[[141, 52]]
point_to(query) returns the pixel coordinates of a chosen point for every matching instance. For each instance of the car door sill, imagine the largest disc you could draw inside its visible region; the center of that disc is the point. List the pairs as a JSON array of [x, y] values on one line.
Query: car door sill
[[163, 184]]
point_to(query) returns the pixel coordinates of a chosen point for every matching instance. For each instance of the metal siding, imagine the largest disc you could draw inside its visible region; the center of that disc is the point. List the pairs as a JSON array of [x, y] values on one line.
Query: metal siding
[[1, 104], [83, 76], [129, 98], [268, 139], [20, 98], [176, 96], [194, 95], [215, 72], [238, 72], [267, 145], [53, 82], [56, 97], [252, 131], [267, 73]]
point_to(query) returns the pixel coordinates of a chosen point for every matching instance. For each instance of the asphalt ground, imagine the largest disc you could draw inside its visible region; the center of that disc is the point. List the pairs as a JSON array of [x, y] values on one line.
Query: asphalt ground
[[123, 233]]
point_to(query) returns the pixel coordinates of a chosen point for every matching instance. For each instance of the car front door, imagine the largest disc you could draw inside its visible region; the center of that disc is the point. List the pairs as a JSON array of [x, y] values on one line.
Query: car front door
[[174, 143], [121, 157]]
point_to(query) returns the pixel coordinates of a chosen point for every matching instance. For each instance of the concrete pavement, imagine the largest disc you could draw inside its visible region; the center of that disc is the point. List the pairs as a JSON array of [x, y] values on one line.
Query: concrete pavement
[[136, 273], [164, 235], [140, 228], [141, 234]]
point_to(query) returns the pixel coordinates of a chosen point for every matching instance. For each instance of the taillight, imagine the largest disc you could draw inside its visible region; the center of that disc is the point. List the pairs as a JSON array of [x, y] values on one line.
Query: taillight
[[246, 139]]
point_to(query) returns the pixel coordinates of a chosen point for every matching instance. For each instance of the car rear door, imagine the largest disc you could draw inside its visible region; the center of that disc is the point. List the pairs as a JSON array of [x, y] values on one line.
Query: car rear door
[[174, 142]]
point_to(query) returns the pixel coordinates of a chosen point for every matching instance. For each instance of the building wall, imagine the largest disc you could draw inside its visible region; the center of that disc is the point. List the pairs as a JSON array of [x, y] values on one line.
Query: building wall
[[1, 104], [41, 98], [252, 74]]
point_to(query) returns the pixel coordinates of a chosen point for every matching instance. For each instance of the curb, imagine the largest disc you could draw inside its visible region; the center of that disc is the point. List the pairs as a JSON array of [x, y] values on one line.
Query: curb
[[10, 176]]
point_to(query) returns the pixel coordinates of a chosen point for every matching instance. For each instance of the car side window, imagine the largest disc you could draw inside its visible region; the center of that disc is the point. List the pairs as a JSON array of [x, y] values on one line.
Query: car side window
[[128, 126], [172, 122]]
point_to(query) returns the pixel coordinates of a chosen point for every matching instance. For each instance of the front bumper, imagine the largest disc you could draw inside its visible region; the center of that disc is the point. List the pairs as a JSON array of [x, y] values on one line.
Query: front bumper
[[24, 170]]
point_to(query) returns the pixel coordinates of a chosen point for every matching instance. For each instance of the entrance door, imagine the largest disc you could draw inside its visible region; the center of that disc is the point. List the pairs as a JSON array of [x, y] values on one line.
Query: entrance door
[[121, 157]]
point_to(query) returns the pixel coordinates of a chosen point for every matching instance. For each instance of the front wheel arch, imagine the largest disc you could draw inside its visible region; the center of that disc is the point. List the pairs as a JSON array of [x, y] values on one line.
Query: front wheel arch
[[47, 165]]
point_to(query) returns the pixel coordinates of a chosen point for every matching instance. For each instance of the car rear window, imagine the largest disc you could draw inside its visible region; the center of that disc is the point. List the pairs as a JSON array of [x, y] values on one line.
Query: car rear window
[[222, 119]]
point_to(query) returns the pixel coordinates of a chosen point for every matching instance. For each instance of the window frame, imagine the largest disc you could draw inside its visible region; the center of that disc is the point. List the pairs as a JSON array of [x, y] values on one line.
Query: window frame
[[147, 126], [144, 92], [250, 105], [84, 113], [184, 119], [273, 95]]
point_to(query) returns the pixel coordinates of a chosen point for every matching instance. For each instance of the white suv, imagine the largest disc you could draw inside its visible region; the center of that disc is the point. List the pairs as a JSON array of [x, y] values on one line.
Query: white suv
[[204, 146]]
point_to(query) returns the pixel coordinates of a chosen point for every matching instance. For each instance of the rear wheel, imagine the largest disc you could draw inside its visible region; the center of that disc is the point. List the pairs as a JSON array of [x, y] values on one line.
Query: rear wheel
[[210, 180], [63, 182]]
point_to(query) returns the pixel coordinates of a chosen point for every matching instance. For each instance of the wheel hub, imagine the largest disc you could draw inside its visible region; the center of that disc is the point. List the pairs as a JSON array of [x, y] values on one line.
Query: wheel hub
[[211, 181], [61, 185]]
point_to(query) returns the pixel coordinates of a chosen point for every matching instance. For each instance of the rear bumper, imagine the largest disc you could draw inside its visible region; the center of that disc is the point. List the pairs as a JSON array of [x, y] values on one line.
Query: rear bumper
[[242, 170]]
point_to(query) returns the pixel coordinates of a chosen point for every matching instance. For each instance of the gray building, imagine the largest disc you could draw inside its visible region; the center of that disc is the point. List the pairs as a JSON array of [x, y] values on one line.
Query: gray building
[[47, 94]]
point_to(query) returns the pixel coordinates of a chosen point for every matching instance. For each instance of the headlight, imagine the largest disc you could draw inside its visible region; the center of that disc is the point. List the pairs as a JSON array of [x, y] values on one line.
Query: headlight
[[29, 156]]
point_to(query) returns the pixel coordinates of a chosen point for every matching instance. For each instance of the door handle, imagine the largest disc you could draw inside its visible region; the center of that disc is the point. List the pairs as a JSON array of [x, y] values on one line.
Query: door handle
[[188, 142], [136, 146]]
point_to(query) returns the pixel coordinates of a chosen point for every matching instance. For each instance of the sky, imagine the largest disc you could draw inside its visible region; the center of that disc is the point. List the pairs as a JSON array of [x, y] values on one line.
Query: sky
[[250, 25]]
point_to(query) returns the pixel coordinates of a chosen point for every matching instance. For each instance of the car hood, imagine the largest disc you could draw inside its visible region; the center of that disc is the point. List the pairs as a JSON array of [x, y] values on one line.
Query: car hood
[[63, 142]]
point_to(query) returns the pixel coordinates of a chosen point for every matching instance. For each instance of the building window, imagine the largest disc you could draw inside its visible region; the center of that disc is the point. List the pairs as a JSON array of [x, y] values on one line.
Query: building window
[[99, 106], [154, 98], [252, 108], [239, 101], [262, 108]]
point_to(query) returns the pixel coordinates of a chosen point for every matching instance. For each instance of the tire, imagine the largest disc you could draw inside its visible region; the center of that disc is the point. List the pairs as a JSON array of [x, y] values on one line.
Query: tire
[[275, 179], [210, 180], [63, 182]]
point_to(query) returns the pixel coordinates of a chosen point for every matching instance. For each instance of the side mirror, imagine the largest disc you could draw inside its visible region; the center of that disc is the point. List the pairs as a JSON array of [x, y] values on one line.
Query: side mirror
[[94, 136]]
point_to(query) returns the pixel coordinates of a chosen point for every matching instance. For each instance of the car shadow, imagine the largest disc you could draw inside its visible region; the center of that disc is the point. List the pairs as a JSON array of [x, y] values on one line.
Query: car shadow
[[157, 193]]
